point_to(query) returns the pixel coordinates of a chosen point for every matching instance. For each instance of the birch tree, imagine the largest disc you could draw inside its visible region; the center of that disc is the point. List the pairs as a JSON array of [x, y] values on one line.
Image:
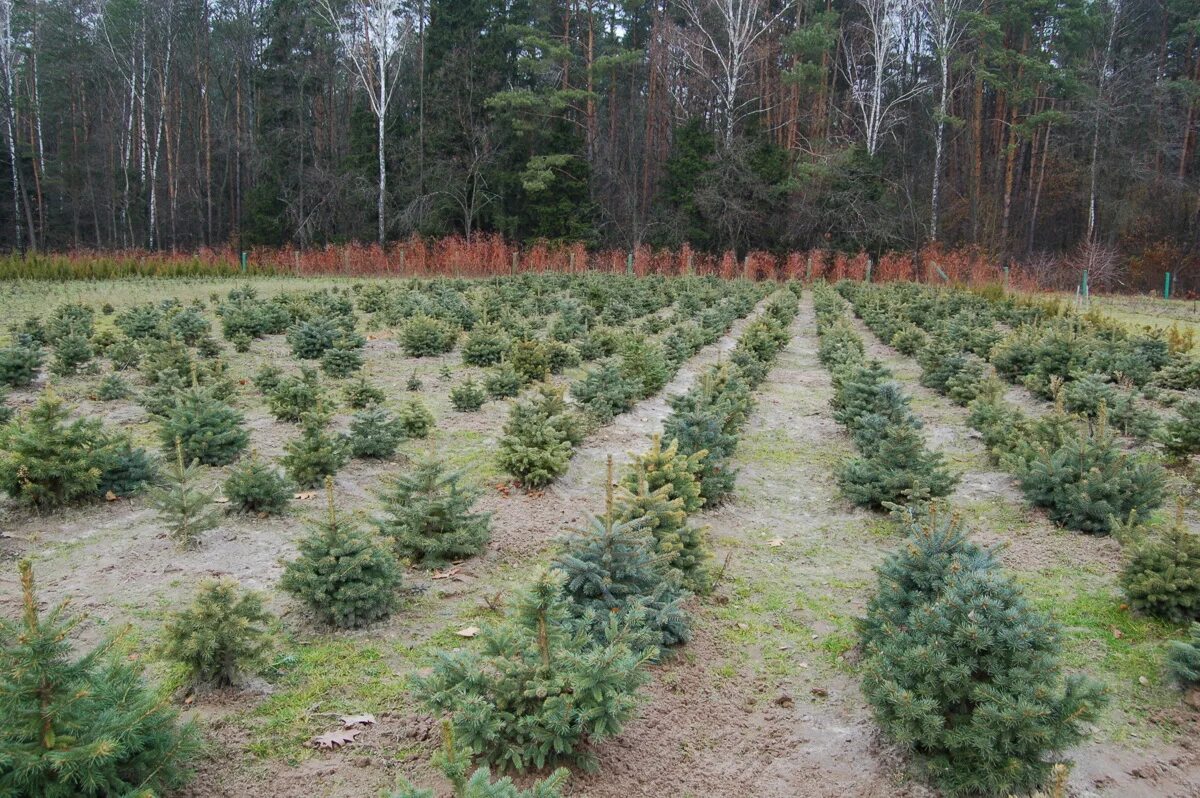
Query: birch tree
[[375, 37], [944, 22], [8, 67], [874, 65], [722, 36], [1103, 79]]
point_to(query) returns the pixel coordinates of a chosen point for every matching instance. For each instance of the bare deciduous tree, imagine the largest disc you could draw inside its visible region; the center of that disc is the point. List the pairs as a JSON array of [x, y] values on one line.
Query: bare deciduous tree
[[944, 21], [721, 38], [874, 66], [375, 37]]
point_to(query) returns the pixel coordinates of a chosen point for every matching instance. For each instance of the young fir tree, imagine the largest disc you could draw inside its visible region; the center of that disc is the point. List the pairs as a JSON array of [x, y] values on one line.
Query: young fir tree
[[112, 388], [375, 433], [1181, 436], [1162, 574], [221, 636], [71, 352], [455, 763], [962, 669], [415, 419], [670, 469], [537, 443], [610, 568], [361, 394], [46, 460], [125, 469], [293, 396], [208, 429], [701, 433], [428, 513], [502, 382], [539, 688], [896, 466], [257, 486], [1183, 658], [186, 509], [19, 364], [467, 396], [346, 574], [316, 453], [682, 547], [80, 727], [1087, 482]]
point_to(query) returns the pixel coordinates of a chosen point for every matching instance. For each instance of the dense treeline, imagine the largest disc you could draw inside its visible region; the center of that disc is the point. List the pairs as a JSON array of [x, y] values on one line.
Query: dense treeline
[[1018, 126]]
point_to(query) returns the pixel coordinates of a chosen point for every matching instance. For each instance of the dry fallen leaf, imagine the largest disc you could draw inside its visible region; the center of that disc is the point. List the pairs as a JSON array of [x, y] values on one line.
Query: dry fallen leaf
[[221, 500], [308, 494], [743, 626], [775, 542], [469, 631], [446, 574], [1117, 633], [1142, 680], [110, 497], [350, 721], [335, 739]]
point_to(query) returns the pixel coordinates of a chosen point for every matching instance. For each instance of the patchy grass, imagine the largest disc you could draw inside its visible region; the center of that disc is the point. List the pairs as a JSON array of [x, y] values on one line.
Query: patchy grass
[[1104, 638]]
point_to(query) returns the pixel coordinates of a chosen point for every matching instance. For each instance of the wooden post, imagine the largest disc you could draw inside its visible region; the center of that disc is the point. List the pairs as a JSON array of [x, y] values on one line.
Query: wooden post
[[515, 261], [808, 269]]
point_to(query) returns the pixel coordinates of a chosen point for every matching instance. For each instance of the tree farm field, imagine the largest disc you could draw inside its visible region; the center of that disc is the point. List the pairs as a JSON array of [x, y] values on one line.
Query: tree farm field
[[361, 534]]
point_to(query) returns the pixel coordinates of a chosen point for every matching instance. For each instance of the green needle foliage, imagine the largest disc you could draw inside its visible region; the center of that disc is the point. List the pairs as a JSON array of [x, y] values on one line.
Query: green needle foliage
[[539, 688], [682, 547], [423, 336], [208, 429], [1181, 436], [316, 453], [48, 460], [455, 762], [485, 346], [346, 574], [668, 468], [895, 467], [19, 364], [428, 513], [1183, 658], [1162, 575], [539, 437], [963, 671], [292, 396], [256, 486], [80, 727], [221, 636], [70, 353], [467, 396], [502, 382], [611, 569], [361, 394], [185, 508], [415, 419], [375, 433], [1088, 481]]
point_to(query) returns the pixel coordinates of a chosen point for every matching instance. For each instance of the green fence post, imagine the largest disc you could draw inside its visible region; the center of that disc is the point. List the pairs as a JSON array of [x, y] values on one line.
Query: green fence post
[[244, 256], [629, 263], [1084, 287], [870, 265], [945, 277], [1006, 279], [1167, 286]]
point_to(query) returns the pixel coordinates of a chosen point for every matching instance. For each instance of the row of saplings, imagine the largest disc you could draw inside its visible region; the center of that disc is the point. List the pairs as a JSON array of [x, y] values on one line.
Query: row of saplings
[[563, 668]]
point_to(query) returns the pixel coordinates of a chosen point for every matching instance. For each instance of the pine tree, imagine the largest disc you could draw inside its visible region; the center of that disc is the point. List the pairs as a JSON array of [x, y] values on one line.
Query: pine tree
[[897, 465], [1087, 482], [221, 635], [1162, 574], [701, 432], [428, 513], [530, 359], [668, 468], [125, 469], [643, 364], [605, 392], [257, 486], [361, 394], [80, 727], [112, 388], [682, 547], [185, 508], [539, 437], [338, 362], [19, 364], [467, 396], [485, 345], [292, 396], [47, 461], [208, 429], [422, 336], [502, 382], [960, 667], [375, 433], [346, 574], [1181, 436], [71, 352], [1183, 658], [454, 762], [610, 569], [316, 453], [415, 419], [539, 688]]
